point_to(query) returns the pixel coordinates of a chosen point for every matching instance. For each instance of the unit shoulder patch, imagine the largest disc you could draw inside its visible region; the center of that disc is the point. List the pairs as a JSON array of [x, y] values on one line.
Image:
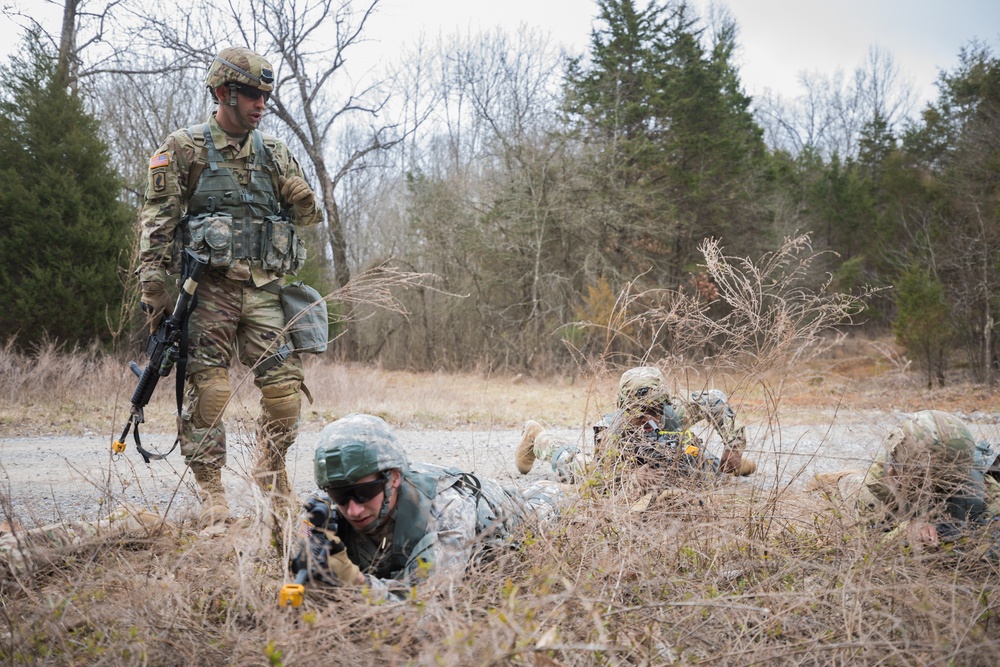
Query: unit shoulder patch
[[159, 181]]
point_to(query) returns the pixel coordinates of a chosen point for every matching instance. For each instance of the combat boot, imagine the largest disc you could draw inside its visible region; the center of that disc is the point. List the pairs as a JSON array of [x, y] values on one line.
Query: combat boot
[[269, 470], [214, 508], [734, 463], [524, 456]]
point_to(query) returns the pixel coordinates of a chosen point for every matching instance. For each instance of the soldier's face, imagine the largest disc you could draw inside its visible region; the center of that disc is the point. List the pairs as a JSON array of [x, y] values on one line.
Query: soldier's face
[[363, 516], [243, 117]]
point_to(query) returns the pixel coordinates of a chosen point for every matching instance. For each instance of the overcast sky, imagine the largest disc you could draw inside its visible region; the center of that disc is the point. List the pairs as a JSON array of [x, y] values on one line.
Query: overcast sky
[[779, 38]]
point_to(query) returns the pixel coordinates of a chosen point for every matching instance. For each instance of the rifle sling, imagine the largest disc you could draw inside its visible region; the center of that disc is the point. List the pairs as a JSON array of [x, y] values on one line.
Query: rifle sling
[[180, 367]]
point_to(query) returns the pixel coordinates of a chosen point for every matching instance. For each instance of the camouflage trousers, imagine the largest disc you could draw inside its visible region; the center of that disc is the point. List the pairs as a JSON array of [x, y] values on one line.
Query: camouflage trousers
[[235, 316]]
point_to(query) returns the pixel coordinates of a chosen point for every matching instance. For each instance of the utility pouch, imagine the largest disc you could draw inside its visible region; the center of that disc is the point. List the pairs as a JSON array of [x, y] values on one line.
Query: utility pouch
[[282, 251], [306, 317], [211, 235]]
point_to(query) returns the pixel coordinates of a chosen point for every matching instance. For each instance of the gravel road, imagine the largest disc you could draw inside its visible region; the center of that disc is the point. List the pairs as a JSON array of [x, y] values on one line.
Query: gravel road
[[51, 478]]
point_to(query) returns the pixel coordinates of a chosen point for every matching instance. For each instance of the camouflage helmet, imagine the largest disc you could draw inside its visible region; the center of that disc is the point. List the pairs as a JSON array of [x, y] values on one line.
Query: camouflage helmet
[[354, 447], [641, 386], [238, 64], [931, 439]]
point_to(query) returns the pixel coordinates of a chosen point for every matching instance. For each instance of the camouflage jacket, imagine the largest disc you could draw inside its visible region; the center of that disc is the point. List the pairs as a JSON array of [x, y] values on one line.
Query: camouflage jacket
[[942, 473], [442, 519], [678, 415], [169, 188]]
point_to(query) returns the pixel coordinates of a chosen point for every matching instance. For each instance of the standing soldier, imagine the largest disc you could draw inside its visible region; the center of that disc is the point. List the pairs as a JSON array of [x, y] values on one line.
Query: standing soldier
[[235, 196]]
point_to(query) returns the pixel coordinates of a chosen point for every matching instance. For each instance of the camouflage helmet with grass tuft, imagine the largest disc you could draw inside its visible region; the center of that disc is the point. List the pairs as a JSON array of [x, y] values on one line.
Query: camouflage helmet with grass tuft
[[931, 439], [354, 447], [641, 386], [240, 65]]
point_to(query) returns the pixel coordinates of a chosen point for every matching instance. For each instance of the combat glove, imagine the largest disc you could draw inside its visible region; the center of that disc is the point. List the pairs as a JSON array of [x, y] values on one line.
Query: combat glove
[[296, 192], [155, 302], [346, 572]]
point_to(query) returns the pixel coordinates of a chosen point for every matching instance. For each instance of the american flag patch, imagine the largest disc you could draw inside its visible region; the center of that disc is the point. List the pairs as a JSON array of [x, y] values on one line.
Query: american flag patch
[[305, 530], [160, 160]]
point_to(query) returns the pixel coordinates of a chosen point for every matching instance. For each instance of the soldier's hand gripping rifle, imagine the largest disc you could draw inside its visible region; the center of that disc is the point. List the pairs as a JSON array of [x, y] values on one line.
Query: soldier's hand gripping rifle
[[312, 560], [163, 349]]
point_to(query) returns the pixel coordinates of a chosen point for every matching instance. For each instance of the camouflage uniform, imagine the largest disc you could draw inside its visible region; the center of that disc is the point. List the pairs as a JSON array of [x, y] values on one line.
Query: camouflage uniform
[[933, 472], [648, 431], [442, 519], [238, 308], [23, 551]]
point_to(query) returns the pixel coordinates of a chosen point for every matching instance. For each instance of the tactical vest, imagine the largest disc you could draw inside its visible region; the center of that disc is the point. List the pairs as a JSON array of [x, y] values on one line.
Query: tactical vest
[[672, 419], [229, 221], [410, 540]]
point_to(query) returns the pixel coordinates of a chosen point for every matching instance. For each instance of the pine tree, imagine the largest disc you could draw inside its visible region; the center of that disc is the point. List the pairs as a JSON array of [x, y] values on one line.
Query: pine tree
[[674, 143], [65, 232]]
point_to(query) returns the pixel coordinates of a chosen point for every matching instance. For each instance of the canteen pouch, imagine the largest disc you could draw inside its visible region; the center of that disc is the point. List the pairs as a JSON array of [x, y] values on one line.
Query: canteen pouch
[[306, 317]]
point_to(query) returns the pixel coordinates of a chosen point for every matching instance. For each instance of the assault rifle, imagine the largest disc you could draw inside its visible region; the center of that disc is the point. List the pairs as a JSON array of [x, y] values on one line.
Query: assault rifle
[[163, 349], [312, 559]]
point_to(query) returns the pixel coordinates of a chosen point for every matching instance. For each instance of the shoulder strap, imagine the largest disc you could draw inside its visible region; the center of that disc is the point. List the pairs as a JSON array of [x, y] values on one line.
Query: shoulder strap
[[198, 135], [262, 149]]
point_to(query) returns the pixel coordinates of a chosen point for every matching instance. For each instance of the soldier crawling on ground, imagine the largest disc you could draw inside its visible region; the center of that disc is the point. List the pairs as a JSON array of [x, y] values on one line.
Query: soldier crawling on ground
[[25, 551], [648, 435], [935, 485], [388, 523]]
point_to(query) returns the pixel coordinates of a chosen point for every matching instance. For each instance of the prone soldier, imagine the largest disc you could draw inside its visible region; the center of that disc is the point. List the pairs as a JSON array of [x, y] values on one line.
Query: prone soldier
[[935, 483], [650, 430], [388, 523]]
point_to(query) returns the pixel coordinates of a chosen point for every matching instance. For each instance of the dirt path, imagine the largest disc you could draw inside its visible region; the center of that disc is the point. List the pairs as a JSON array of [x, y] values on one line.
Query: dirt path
[[50, 478]]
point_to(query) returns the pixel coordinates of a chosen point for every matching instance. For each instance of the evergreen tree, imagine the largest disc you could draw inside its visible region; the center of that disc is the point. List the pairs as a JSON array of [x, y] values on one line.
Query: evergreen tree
[[923, 323], [673, 143], [65, 232], [956, 158]]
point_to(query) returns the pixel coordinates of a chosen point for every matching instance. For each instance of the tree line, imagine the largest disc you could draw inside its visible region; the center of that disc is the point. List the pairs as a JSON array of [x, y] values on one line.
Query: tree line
[[537, 187]]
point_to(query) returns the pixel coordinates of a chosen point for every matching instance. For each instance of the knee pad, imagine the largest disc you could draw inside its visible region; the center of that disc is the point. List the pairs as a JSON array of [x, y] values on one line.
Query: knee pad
[[281, 403], [213, 391]]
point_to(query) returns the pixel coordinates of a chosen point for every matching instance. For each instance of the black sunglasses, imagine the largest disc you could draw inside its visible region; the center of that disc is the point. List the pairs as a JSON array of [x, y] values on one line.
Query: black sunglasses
[[252, 93], [359, 493]]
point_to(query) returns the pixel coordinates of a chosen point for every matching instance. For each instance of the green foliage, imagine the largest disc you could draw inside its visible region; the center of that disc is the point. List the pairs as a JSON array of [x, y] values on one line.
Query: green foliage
[[676, 146], [923, 321], [65, 232]]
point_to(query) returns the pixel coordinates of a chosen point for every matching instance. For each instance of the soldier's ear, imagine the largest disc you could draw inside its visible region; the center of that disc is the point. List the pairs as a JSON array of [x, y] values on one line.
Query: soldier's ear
[[222, 94], [395, 478]]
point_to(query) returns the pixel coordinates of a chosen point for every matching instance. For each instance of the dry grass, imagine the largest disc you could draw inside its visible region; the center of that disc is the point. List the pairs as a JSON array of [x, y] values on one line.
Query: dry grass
[[740, 581], [49, 391], [743, 579], [735, 578]]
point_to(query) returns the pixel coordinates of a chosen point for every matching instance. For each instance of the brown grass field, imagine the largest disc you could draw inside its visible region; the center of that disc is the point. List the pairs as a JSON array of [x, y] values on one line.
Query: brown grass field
[[715, 578]]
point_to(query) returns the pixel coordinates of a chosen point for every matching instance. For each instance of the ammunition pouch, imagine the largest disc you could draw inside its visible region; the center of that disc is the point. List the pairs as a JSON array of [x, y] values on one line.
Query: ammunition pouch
[[224, 239], [282, 251]]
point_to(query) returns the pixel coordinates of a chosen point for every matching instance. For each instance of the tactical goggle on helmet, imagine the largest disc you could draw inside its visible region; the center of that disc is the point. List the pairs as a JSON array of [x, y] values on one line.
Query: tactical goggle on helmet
[[241, 69], [352, 448], [640, 386]]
